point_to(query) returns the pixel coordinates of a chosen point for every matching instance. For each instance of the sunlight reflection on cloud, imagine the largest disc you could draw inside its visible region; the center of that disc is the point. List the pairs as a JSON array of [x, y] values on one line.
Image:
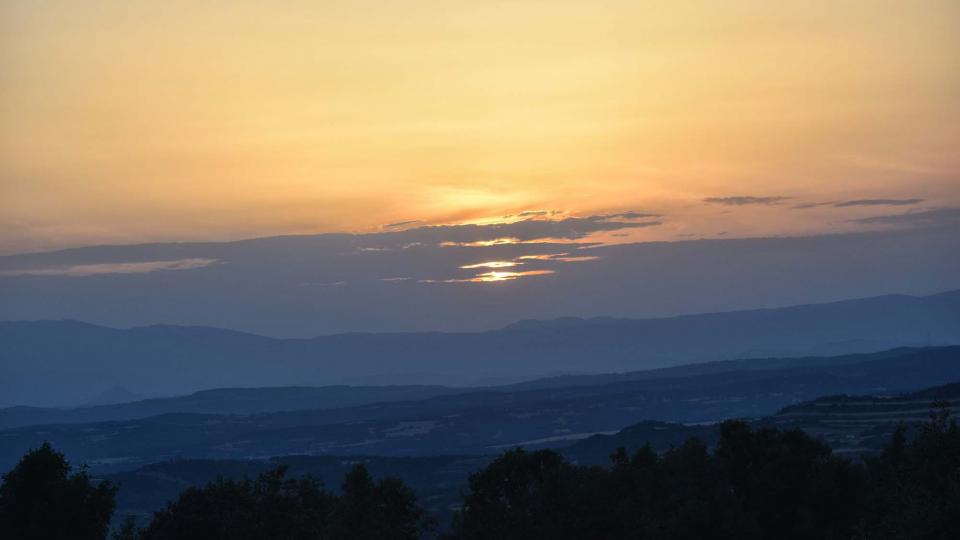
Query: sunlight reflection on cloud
[[491, 264], [482, 243], [561, 257], [491, 277]]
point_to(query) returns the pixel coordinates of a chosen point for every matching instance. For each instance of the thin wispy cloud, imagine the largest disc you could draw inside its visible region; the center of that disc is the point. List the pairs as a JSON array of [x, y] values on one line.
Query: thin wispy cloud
[[630, 215], [402, 224], [877, 202], [806, 206], [859, 202], [84, 270], [938, 216], [743, 200]]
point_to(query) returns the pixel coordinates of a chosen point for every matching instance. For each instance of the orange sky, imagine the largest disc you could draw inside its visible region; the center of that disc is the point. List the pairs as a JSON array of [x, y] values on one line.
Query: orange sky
[[182, 120]]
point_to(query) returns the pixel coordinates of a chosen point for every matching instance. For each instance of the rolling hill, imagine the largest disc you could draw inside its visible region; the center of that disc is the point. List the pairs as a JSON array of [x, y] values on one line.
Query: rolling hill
[[485, 422], [61, 363]]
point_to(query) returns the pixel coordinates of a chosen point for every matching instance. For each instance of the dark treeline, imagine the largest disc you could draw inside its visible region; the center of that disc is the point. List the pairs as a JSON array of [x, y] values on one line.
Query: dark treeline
[[759, 483], [756, 484]]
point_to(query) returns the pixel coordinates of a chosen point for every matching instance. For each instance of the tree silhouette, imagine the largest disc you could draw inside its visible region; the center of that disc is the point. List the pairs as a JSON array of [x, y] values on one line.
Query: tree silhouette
[[271, 506], [762, 483], [384, 510], [40, 499], [757, 483], [913, 486]]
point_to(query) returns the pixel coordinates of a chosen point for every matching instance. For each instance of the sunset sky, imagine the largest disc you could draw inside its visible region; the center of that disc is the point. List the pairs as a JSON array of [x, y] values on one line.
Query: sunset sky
[[127, 122]]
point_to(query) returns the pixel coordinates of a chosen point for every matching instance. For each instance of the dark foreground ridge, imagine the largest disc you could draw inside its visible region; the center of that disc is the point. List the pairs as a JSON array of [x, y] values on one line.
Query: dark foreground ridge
[[756, 483]]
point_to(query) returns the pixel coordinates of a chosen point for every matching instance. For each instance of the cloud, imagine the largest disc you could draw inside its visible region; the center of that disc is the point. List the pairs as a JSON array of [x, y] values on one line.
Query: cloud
[[939, 216], [742, 200], [805, 206], [83, 270], [555, 257], [860, 202], [629, 215], [570, 228], [491, 264], [492, 277], [340, 283], [401, 224], [877, 202]]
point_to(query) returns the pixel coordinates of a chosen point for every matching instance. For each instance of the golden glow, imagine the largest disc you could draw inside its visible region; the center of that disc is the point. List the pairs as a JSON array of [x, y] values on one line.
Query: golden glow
[[182, 120], [494, 276], [491, 277], [482, 243], [561, 257], [492, 264]]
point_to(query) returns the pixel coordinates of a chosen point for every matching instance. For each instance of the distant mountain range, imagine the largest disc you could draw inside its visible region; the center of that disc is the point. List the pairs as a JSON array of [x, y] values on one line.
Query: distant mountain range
[[67, 362], [486, 421], [223, 401]]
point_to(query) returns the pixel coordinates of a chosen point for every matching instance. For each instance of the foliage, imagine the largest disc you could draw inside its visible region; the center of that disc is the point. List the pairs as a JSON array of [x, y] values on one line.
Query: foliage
[[40, 499], [756, 484], [913, 486], [273, 506]]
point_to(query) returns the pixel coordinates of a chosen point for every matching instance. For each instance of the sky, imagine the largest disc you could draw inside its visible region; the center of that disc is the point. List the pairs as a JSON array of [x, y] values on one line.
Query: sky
[[128, 122]]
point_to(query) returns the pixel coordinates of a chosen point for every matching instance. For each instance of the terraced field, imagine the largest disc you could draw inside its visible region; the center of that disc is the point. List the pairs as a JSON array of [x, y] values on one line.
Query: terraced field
[[856, 425]]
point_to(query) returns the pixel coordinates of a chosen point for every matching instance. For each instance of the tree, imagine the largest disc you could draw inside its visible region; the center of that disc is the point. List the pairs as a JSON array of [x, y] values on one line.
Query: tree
[[762, 483], [271, 506], [528, 495], [384, 510], [913, 486], [127, 530], [41, 498], [791, 483]]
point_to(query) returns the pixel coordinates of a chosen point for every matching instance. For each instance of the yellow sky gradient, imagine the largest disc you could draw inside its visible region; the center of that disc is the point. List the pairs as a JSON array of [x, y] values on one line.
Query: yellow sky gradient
[[129, 121]]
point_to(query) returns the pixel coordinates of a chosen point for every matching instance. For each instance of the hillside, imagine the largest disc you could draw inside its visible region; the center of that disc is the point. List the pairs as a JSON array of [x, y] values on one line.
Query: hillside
[[483, 422], [61, 363], [858, 424], [223, 401], [853, 425]]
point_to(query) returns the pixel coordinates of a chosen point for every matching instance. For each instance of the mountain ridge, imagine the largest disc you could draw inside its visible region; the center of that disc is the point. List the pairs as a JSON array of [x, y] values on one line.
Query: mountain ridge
[[38, 360]]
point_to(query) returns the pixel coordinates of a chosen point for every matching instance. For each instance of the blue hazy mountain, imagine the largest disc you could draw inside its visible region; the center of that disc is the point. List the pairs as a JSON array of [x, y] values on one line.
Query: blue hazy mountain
[[65, 362], [223, 401], [488, 420]]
